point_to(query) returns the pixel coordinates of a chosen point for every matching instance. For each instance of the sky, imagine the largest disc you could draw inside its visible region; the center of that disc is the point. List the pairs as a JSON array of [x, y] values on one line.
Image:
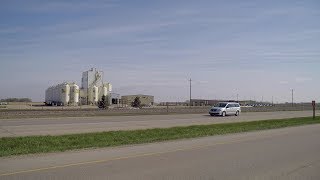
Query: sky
[[256, 49]]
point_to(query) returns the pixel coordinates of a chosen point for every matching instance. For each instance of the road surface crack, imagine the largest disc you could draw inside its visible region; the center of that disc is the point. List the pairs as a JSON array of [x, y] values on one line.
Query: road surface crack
[[302, 167], [7, 131]]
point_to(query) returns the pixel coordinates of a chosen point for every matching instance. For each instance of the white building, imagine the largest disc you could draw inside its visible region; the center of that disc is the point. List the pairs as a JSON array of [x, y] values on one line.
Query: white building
[[92, 90], [93, 87], [62, 94]]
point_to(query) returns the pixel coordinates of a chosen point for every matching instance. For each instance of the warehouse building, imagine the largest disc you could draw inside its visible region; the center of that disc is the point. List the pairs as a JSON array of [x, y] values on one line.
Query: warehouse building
[[146, 100], [213, 102], [204, 102]]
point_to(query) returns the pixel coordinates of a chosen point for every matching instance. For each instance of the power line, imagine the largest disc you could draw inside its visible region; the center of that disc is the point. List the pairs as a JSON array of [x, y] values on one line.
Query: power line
[[190, 93]]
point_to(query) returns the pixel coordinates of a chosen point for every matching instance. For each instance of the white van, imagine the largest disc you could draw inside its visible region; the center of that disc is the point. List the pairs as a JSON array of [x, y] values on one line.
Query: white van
[[226, 108]]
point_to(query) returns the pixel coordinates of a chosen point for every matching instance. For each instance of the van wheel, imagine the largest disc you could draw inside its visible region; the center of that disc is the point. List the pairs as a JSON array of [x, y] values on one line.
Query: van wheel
[[223, 114], [237, 113]]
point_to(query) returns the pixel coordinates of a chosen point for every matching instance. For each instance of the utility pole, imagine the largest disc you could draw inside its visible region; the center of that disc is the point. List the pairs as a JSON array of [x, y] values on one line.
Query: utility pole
[[272, 100], [190, 93], [292, 97]]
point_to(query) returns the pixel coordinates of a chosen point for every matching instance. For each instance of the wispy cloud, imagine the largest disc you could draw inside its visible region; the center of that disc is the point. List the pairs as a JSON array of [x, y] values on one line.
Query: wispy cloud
[[302, 79], [11, 30], [44, 6], [106, 31], [284, 82]]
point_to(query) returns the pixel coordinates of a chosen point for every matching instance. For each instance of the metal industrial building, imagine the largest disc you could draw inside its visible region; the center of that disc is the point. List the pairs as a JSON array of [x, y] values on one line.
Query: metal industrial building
[[146, 100]]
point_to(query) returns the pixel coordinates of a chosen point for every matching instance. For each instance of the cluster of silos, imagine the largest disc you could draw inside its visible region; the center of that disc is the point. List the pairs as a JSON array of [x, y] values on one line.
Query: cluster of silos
[[94, 94], [104, 90], [62, 94], [91, 91], [93, 87]]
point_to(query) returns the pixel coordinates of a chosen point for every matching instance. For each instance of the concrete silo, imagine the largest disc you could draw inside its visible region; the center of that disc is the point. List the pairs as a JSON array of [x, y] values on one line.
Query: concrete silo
[[74, 94], [58, 95]]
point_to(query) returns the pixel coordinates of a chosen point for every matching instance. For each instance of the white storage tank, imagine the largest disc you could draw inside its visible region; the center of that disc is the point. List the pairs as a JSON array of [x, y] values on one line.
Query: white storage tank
[[105, 91], [56, 93], [48, 96], [74, 94], [90, 95], [109, 86], [83, 96], [95, 93], [65, 93]]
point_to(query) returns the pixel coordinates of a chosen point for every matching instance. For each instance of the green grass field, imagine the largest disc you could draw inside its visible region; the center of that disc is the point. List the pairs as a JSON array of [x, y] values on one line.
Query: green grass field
[[43, 144]]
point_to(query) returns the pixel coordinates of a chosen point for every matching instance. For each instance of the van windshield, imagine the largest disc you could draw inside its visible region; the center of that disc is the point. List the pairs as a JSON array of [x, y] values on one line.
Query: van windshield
[[222, 104]]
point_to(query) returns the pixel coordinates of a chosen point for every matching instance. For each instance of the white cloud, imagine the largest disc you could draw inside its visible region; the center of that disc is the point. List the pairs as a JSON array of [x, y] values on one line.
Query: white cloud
[[65, 6], [303, 79], [203, 82], [284, 82], [11, 30]]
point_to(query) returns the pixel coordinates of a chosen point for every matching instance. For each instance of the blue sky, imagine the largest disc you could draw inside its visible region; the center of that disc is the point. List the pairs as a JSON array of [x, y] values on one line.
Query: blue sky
[[251, 48]]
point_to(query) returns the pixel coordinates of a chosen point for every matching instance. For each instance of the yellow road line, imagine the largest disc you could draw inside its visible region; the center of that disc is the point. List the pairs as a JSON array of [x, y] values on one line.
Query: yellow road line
[[134, 156]]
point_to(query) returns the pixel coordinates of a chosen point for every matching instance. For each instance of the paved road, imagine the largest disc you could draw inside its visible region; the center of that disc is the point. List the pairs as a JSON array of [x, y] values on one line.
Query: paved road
[[68, 125], [289, 153]]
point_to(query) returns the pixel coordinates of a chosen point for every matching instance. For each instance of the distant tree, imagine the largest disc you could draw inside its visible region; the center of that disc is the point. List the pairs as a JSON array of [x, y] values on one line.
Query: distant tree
[[16, 100], [25, 100], [103, 103], [136, 103]]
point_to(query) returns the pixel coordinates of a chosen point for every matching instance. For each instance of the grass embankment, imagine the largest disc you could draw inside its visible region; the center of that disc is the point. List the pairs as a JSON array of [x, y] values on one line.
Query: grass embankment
[[43, 144]]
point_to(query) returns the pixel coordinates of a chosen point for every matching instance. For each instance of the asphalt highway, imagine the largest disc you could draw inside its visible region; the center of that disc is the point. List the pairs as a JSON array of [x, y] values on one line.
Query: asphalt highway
[[71, 125], [289, 153]]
